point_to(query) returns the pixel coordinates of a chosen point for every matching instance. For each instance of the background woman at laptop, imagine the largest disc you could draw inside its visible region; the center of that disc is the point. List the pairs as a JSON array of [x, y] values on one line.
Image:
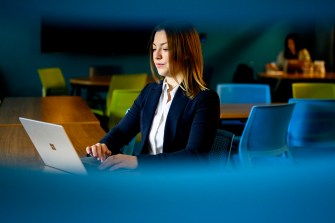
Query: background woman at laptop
[[177, 116], [294, 56]]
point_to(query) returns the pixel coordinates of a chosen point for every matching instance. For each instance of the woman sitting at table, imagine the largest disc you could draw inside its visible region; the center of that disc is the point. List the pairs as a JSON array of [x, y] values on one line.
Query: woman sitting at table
[[177, 116], [293, 58]]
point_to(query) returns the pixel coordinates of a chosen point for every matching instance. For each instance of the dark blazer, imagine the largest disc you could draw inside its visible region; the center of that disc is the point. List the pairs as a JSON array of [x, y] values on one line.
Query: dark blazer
[[190, 126]]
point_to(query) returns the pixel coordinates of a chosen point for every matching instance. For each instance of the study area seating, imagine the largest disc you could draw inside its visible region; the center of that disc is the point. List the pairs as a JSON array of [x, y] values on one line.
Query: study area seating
[[231, 93], [312, 128], [243, 93], [94, 97], [313, 90], [121, 101], [265, 135], [219, 154], [119, 81], [53, 82]]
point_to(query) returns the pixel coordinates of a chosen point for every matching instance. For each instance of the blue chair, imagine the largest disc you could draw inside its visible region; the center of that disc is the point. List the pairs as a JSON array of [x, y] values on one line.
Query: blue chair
[[243, 93], [311, 132], [265, 135]]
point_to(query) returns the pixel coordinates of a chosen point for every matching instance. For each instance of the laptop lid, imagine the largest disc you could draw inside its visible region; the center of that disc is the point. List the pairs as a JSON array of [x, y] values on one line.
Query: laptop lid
[[54, 146]]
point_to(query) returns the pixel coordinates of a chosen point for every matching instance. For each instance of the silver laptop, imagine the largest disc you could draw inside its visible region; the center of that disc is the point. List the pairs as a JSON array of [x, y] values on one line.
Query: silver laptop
[[54, 147]]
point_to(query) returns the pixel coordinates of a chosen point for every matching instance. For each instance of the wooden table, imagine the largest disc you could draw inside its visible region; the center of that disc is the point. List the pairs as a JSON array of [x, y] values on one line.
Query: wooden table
[[238, 111], [96, 83], [54, 109], [281, 83], [329, 76], [93, 83], [16, 148], [235, 111]]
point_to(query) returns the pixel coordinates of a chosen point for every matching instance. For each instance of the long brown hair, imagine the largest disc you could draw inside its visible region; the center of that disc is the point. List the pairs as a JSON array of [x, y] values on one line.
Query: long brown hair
[[185, 56]]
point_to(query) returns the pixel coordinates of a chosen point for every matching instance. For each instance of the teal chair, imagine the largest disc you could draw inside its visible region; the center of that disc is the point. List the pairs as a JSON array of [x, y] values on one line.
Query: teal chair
[[231, 93], [265, 135], [311, 133], [243, 93]]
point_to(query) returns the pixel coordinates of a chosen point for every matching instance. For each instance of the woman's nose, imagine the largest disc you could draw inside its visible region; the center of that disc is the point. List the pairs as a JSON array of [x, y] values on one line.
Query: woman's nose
[[158, 54]]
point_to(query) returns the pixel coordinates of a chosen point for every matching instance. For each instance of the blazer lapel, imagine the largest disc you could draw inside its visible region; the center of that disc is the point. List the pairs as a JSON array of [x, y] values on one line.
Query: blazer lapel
[[176, 110], [149, 110]]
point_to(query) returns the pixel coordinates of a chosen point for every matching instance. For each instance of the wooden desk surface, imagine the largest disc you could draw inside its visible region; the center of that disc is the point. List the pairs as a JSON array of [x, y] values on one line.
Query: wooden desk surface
[[17, 150], [102, 81], [96, 81], [281, 75], [237, 111], [53, 109]]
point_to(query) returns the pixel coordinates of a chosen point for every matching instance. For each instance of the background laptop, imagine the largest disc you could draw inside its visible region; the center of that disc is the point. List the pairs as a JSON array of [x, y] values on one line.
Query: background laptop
[[54, 146]]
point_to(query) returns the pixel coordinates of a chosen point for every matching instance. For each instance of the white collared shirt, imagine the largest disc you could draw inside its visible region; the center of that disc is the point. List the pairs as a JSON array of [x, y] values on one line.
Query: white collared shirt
[[156, 136]]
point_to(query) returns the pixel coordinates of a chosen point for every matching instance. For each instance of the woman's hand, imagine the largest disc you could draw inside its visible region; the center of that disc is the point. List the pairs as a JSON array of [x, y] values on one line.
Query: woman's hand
[[99, 151], [119, 161]]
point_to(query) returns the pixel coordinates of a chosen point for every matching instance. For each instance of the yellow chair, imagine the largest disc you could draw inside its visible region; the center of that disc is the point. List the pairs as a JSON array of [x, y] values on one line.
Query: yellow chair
[[118, 81], [313, 90], [121, 81], [53, 82], [122, 100]]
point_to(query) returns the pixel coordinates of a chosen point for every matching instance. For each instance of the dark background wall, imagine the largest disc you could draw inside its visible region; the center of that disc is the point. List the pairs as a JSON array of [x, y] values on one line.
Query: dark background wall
[[250, 32]]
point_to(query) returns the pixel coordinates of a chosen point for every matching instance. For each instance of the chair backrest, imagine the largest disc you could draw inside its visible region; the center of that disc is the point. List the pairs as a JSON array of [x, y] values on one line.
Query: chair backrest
[[122, 100], [53, 82], [313, 90], [312, 124], [124, 81], [105, 70], [243, 93], [265, 133], [220, 152]]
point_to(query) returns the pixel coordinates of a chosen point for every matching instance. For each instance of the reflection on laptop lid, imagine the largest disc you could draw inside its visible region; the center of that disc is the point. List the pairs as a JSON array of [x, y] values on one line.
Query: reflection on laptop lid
[[54, 146]]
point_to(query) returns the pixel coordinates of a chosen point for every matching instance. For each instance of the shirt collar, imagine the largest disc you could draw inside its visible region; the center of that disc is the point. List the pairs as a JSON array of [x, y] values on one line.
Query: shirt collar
[[165, 87]]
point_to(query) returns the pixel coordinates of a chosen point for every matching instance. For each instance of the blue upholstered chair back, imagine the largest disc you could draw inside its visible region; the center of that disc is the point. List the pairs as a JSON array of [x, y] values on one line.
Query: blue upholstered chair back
[[265, 133], [243, 93], [312, 123]]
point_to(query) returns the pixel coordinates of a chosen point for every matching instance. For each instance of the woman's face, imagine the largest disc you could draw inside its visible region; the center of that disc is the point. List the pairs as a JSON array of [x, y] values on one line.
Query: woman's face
[[291, 45], [160, 53]]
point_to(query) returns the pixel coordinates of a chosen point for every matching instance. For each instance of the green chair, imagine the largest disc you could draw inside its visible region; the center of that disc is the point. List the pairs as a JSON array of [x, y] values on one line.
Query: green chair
[[313, 90], [122, 100], [121, 81], [53, 82], [118, 81]]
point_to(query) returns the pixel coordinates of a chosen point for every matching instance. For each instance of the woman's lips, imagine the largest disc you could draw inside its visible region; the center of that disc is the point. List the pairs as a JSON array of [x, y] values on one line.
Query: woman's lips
[[159, 65]]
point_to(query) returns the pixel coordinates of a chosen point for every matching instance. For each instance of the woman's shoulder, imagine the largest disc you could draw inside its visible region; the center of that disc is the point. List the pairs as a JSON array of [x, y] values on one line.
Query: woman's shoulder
[[207, 94], [152, 86]]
